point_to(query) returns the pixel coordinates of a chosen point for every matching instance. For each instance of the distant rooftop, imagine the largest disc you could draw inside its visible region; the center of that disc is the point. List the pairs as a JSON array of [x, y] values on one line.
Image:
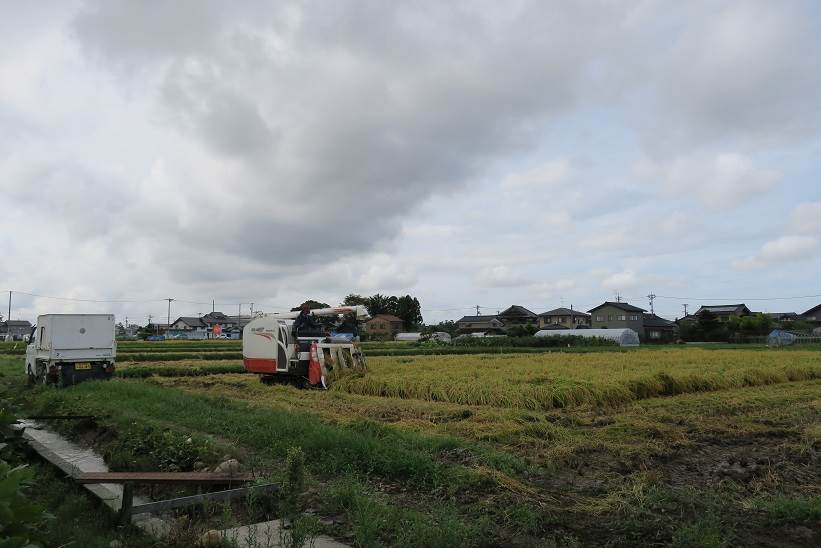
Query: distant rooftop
[[627, 307], [561, 311]]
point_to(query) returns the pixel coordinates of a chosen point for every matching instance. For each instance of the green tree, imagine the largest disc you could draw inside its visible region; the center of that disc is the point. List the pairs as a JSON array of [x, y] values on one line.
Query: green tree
[[146, 331], [447, 326], [800, 326], [690, 331], [762, 324], [709, 325], [355, 299], [379, 304], [409, 311]]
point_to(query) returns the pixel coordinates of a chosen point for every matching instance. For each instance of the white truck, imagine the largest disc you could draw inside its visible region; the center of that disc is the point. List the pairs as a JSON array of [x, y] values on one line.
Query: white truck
[[71, 348]]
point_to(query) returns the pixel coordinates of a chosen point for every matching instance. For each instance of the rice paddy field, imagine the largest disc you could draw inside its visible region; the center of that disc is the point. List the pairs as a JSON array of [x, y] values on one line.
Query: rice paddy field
[[664, 446]]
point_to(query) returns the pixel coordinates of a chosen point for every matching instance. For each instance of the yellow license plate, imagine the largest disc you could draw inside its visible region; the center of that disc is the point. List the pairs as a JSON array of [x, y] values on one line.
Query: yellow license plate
[[82, 366]]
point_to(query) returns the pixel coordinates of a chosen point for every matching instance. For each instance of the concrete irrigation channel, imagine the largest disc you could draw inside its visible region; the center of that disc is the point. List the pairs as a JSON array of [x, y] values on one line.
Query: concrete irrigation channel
[[79, 462]]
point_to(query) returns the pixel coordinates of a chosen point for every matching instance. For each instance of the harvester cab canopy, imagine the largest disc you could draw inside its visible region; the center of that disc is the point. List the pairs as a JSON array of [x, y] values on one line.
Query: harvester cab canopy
[[359, 311]]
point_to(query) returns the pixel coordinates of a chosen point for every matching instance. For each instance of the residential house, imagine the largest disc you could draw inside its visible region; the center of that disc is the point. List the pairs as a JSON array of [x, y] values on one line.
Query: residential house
[[617, 315], [516, 315], [189, 327], [784, 319], [382, 326], [723, 312], [564, 317], [15, 330], [226, 323], [657, 329], [480, 324], [157, 328], [812, 315]]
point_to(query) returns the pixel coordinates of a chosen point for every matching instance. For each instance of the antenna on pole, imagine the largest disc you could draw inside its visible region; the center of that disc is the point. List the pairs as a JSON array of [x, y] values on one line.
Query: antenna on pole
[[652, 297], [618, 297]]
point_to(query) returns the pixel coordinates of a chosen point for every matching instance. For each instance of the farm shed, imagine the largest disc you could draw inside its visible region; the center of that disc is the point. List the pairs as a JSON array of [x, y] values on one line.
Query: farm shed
[[408, 337], [624, 337]]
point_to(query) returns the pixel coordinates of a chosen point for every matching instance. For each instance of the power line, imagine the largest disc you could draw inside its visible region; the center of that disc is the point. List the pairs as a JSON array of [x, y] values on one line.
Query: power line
[[738, 298], [87, 300]]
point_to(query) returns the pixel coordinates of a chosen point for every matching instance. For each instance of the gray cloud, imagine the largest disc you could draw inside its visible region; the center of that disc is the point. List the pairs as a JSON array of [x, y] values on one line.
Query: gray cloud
[[384, 107], [205, 142]]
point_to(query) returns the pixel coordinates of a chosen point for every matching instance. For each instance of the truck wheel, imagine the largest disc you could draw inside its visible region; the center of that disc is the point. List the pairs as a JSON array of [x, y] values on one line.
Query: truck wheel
[[42, 374]]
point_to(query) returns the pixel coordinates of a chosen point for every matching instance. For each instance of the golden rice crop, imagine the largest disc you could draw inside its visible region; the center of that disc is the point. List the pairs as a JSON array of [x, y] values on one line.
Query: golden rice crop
[[551, 380]]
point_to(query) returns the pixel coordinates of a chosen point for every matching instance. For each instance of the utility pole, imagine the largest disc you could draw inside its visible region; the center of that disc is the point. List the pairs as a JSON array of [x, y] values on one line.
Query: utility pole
[[212, 305], [685, 309], [571, 316], [168, 325], [8, 318], [252, 310], [652, 297], [477, 310], [618, 297]]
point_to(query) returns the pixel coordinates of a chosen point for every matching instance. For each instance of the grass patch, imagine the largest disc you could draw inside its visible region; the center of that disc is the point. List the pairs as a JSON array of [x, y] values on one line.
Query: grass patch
[[375, 522], [367, 446], [792, 509], [701, 534]]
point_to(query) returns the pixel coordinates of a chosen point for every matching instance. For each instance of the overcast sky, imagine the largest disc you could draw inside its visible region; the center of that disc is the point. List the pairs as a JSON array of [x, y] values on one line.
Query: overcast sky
[[533, 153]]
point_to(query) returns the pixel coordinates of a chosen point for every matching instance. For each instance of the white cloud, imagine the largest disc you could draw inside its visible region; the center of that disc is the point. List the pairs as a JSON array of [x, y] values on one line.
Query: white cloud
[[620, 281], [802, 241], [500, 276], [388, 274], [806, 219], [538, 178], [429, 231], [719, 181], [781, 250]]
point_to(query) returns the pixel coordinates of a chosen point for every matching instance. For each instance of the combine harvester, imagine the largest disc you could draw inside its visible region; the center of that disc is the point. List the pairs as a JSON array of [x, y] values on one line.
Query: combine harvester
[[301, 348]]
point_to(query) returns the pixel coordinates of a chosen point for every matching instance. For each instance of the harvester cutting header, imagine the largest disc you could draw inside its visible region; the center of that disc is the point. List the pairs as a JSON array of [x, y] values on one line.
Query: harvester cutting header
[[307, 348]]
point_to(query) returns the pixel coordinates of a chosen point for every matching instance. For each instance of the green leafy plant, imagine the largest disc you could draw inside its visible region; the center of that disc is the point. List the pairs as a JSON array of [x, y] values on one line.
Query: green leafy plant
[[21, 520]]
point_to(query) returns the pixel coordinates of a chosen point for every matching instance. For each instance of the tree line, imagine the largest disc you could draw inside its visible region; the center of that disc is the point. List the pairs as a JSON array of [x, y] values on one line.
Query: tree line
[[406, 307]]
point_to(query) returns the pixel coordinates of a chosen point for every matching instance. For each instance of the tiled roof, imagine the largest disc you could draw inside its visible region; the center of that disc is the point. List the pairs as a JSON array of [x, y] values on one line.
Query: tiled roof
[[386, 317], [621, 306], [477, 319], [564, 312], [651, 320], [517, 311], [723, 308]]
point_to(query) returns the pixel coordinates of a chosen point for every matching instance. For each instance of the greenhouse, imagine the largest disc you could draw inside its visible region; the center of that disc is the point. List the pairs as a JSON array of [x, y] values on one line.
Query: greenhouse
[[780, 338], [624, 337]]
